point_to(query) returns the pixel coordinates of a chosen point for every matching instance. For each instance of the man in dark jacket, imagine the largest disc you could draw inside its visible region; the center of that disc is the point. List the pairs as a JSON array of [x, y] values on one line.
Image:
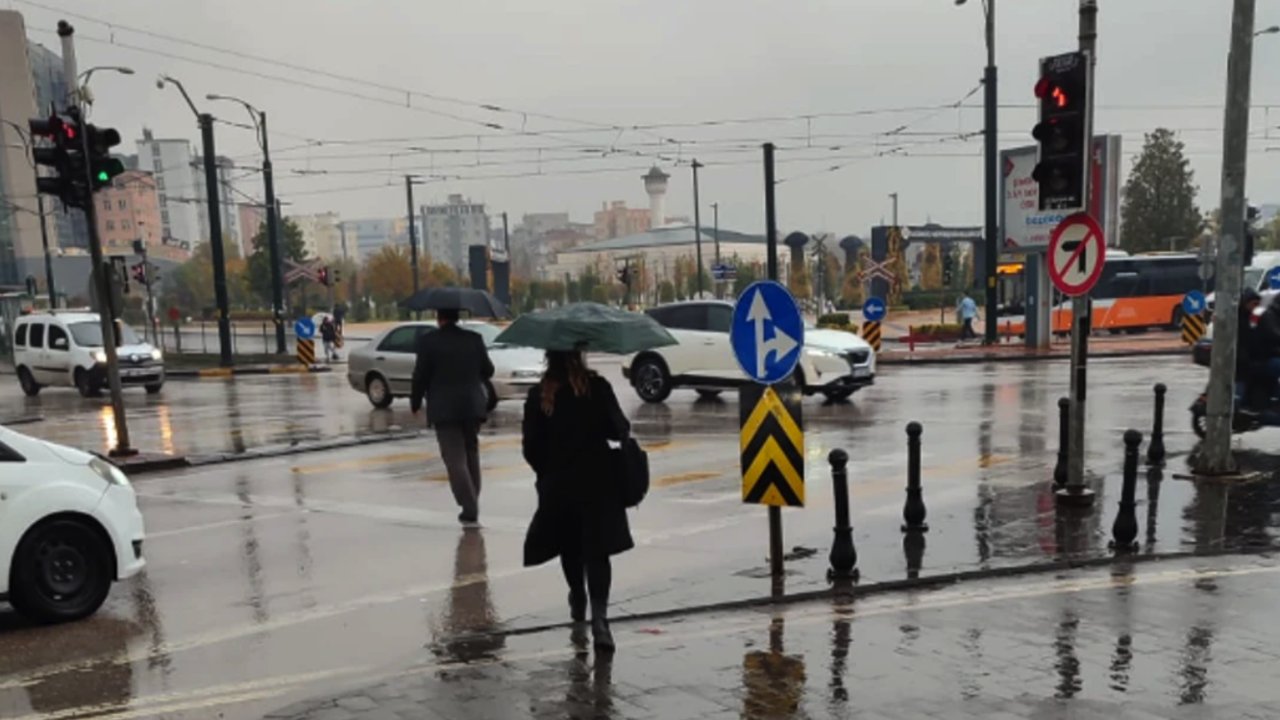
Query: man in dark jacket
[[451, 371]]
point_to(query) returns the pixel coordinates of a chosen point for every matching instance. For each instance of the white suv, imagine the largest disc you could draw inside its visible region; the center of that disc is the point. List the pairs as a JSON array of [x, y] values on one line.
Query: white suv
[[833, 363], [65, 348]]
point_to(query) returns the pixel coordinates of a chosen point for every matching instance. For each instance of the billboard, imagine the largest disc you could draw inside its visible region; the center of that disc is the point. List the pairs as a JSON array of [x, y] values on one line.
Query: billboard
[[1024, 227]]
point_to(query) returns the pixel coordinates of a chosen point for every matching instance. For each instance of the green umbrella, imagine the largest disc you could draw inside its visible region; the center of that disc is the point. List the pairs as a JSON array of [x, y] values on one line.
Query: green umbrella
[[587, 326]]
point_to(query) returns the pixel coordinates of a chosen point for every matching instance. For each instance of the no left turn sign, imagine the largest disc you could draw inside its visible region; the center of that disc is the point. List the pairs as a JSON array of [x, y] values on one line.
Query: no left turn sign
[[1076, 253]]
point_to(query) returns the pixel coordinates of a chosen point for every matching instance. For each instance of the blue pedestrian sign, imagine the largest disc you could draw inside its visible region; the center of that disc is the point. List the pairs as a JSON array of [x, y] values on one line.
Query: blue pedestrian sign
[[767, 332], [304, 328], [1193, 303], [873, 310], [1273, 278]]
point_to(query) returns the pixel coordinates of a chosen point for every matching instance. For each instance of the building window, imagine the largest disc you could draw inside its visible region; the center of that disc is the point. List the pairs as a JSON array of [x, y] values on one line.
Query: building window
[[106, 204], [125, 225], [160, 182], [120, 204], [111, 225]]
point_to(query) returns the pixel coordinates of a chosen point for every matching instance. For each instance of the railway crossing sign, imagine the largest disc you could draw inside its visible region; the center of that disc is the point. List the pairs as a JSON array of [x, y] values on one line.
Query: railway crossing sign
[[877, 270], [1076, 254], [767, 333], [772, 445], [1193, 303], [298, 271]]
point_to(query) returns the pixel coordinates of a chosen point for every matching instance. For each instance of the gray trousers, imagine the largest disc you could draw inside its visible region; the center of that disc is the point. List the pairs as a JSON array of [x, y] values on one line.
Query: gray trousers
[[460, 450]]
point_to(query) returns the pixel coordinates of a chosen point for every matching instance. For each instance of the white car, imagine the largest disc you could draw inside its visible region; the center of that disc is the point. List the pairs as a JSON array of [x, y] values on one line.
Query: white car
[[69, 527], [65, 348], [833, 363], [383, 368]]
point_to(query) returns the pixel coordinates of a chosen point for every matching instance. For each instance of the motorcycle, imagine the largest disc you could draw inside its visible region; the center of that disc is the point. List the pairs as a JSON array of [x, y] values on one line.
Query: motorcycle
[[1242, 421]]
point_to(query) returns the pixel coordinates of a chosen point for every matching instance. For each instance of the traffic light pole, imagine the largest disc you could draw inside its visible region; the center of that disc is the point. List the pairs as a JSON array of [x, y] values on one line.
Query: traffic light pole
[[413, 234], [215, 238], [273, 238], [1215, 456], [697, 225], [48, 258], [991, 176]]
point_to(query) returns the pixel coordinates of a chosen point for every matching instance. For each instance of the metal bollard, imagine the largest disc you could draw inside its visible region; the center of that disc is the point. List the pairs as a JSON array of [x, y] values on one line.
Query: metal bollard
[[1064, 422], [913, 511], [844, 556], [1154, 476], [913, 550], [1125, 530], [1155, 451]]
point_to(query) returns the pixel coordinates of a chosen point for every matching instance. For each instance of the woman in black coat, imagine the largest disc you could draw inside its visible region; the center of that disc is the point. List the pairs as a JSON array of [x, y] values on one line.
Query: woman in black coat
[[569, 419]]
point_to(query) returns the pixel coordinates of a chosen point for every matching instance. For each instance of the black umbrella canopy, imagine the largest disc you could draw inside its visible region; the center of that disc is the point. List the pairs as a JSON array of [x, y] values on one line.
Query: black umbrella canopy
[[477, 303]]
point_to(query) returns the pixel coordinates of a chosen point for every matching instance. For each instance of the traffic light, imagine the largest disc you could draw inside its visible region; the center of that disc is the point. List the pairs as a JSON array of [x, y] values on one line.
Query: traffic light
[[139, 272], [1063, 157], [322, 276], [102, 166], [337, 276], [55, 145], [948, 268]]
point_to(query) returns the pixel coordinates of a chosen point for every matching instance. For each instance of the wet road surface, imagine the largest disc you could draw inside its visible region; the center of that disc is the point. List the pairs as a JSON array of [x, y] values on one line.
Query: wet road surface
[[279, 578]]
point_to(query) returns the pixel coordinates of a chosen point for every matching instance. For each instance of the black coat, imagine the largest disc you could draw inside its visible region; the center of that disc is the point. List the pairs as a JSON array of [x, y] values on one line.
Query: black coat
[[580, 506], [451, 369]]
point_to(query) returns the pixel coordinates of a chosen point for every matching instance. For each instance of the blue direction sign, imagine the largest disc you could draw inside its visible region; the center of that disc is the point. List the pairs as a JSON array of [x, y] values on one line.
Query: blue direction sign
[[1273, 278], [304, 328], [767, 332], [1193, 303], [874, 310]]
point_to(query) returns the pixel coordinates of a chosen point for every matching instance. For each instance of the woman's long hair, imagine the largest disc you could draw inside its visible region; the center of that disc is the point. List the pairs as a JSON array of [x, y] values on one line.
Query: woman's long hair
[[564, 367]]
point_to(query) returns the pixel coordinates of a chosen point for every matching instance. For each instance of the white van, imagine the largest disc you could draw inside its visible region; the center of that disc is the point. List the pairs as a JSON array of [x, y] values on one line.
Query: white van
[[65, 348]]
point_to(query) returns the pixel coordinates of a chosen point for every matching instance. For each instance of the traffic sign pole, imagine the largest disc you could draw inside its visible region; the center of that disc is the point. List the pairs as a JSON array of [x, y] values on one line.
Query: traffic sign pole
[[771, 238]]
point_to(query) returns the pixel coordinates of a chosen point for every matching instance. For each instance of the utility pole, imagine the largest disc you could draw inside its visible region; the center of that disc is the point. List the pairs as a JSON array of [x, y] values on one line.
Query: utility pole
[[697, 225], [991, 176], [101, 276], [894, 197], [715, 214], [413, 231], [215, 237], [1215, 455], [771, 248], [273, 237]]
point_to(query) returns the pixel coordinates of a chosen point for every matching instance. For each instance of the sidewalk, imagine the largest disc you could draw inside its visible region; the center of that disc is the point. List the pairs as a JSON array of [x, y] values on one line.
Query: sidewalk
[[1100, 346], [1176, 639]]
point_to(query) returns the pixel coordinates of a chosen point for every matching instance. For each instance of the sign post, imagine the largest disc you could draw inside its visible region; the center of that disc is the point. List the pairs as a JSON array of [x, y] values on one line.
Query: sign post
[[305, 330], [1193, 307], [1076, 254], [873, 312]]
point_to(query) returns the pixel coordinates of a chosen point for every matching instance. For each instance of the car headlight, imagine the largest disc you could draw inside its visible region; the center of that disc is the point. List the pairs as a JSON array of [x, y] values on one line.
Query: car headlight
[[99, 356], [109, 472], [156, 354]]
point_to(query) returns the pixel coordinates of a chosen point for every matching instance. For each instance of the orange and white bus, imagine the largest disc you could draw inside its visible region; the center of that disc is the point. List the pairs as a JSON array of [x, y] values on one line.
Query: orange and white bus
[[1135, 292]]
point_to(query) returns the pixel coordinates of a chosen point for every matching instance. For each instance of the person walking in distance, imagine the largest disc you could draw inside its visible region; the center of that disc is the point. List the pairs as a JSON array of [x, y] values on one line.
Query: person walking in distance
[[966, 310], [451, 372], [329, 336], [569, 419]]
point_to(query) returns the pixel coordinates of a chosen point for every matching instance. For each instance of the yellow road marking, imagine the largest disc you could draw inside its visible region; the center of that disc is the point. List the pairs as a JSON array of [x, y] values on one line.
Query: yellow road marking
[[392, 459], [686, 477]]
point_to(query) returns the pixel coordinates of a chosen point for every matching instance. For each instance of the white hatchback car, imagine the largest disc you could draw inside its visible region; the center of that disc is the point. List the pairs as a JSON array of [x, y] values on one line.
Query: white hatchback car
[[65, 348], [69, 527]]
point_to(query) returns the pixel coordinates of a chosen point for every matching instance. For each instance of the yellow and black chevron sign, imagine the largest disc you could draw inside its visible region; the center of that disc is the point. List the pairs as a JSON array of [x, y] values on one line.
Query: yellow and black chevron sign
[[307, 352], [1192, 328], [871, 333], [772, 445]]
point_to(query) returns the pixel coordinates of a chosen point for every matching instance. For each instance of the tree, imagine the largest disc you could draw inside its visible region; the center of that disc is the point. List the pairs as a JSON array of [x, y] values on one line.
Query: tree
[[1159, 211], [189, 287], [259, 265], [389, 275], [931, 266]]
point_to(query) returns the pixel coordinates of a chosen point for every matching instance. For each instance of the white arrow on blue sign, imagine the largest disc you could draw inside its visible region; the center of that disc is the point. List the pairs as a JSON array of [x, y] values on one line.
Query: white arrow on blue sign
[[304, 328], [873, 310], [767, 332], [1193, 303], [1273, 278]]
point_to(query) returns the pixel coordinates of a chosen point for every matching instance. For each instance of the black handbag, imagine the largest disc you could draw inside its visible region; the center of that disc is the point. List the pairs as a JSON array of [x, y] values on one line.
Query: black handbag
[[633, 464]]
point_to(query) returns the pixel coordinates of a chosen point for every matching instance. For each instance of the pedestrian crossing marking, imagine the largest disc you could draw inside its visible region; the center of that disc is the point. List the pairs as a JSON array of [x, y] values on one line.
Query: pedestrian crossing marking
[[772, 447]]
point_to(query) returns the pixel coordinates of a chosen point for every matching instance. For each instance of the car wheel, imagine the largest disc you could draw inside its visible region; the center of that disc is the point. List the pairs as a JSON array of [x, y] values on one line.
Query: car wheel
[[29, 385], [378, 392], [708, 394], [154, 388], [1175, 321], [651, 380], [1199, 419], [87, 387], [839, 395], [62, 571]]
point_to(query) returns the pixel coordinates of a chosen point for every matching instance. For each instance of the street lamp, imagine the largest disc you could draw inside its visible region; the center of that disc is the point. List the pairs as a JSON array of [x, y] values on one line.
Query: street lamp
[[83, 93], [44, 230], [1273, 30], [205, 120], [259, 118], [990, 177]]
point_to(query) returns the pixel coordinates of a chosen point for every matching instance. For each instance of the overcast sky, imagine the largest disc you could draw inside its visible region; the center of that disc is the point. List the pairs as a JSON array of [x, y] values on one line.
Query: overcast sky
[[601, 67]]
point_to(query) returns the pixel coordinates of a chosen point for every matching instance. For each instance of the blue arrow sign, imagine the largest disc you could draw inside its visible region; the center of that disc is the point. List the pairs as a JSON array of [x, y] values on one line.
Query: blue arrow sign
[[767, 332], [1273, 278], [1193, 303], [304, 328], [874, 310]]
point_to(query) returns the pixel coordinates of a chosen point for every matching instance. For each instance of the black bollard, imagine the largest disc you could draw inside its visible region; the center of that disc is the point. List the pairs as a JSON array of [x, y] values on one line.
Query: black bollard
[[913, 511], [1155, 451], [844, 557], [1125, 530], [913, 551], [1060, 470], [1154, 476]]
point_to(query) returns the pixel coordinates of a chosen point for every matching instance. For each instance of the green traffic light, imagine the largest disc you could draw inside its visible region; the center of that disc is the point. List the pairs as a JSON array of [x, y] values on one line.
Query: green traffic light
[[102, 176]]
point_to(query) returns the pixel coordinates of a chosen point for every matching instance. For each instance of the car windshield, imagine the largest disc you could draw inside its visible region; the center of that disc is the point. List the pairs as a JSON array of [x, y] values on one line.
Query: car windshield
[[89, 334]]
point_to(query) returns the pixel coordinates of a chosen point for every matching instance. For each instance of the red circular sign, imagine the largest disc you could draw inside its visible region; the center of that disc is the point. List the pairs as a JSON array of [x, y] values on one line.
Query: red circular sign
[[174, 315], [1076, 254]]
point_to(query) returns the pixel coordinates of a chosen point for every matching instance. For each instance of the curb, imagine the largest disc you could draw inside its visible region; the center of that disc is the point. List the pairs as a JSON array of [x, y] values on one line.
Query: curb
[[973, 359], [188, 461], [223, 372]]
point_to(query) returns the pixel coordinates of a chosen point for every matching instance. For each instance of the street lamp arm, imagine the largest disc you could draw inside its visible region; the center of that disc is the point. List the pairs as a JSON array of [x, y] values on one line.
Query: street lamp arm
[[254, 114], [163, 79]]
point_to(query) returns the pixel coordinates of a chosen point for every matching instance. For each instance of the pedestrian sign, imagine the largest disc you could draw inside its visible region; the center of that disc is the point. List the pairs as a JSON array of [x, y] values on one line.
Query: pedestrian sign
[[767, 332], [873, 310], [772, 445], [1193, 303], [304, 328], [1076, 254]]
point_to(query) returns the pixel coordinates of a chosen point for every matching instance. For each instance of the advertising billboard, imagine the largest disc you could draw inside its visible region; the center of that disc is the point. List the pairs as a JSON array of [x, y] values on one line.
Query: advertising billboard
[[1025, 228]]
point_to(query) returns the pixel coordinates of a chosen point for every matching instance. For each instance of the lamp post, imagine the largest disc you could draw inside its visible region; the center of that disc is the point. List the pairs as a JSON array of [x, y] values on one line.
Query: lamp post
[[259, 118], [991, 246], [205, 121], [409, 182]]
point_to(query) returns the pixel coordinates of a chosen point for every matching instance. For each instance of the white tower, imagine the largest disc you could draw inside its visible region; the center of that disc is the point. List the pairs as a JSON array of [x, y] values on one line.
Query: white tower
[[655, 183]]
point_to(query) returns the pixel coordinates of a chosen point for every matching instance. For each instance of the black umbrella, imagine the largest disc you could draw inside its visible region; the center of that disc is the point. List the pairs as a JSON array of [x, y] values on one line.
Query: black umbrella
[[477, 303]]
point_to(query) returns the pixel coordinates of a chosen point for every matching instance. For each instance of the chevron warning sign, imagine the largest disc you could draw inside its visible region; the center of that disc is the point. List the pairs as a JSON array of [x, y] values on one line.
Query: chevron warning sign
[[871, 333], [1192, 328], [772, 445], [307, 352]]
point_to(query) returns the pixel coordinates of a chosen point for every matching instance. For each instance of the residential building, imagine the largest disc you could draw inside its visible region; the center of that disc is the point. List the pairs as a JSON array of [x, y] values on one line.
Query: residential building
[[366, 237], [617, 220], [178, 180], [320, 234], [537, 224], [228, 204], [129, 210], [453, 227], [252, 218]]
